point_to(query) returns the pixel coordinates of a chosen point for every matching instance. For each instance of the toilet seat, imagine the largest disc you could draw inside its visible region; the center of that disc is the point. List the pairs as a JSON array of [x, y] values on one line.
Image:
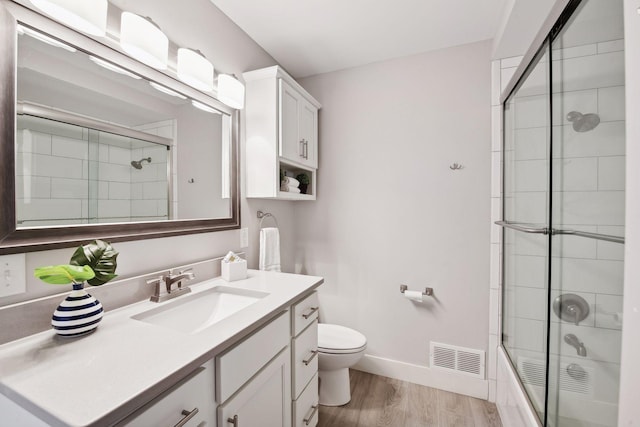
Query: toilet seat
[[336, 339]]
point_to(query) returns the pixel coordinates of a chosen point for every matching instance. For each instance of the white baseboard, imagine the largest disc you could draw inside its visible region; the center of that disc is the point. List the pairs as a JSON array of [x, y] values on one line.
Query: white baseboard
[[422, 375]]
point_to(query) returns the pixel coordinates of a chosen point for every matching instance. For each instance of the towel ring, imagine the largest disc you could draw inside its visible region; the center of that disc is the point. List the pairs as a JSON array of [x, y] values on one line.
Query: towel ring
[[263, 215]]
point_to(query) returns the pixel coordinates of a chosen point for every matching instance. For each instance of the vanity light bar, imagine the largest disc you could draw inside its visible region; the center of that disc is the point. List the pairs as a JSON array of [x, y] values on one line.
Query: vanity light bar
[[87, 16], [230, 91], [204, 107], [45, 39], [142, 38], [166, 90], [195, 70], [112, 67]]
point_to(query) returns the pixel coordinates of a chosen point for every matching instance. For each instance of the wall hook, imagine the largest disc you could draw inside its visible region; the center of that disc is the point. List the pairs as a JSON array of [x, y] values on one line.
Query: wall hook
[[191, 181], [456, 166]]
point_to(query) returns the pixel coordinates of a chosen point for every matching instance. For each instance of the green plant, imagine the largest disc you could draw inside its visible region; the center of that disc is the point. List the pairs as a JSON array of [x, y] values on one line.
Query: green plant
[[95, 263], [303, 178]]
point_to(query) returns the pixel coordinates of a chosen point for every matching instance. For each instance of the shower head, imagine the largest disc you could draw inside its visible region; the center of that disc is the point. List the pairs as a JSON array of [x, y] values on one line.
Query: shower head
[[138, 163], [583, 122]]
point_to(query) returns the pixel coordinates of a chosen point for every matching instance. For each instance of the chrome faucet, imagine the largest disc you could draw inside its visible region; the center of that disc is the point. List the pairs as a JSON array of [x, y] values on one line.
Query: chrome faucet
[[167, 281], [574, 342]]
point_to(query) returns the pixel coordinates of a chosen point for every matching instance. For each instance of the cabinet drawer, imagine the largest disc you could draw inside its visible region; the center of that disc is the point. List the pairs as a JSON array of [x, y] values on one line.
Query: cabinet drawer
[[193, 393], [305, 409], [305, 358], [305, 312], [244, 360]]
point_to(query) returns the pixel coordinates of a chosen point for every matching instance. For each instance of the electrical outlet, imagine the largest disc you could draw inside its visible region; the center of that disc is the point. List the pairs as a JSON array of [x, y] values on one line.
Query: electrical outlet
[[244, 237], [12, 275]]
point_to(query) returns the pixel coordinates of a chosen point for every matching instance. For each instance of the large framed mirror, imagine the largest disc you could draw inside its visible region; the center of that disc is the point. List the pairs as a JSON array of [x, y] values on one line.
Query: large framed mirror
[[97, 145]]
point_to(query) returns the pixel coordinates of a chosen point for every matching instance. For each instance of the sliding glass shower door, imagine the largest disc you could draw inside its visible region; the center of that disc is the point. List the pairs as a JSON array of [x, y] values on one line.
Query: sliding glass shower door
[[564, 162]]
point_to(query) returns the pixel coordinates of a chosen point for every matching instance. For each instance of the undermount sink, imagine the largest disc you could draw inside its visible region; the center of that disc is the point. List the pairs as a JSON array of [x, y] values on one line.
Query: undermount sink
[[191, 314]]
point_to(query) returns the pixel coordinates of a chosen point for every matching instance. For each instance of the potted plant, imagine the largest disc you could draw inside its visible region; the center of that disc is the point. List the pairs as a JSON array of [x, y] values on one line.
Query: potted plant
[[80, 313], [303, 178]]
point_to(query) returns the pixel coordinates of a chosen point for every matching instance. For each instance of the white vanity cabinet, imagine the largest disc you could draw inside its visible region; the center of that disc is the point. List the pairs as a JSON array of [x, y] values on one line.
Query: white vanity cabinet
[[189, 403], [281, 133], [304, 345]]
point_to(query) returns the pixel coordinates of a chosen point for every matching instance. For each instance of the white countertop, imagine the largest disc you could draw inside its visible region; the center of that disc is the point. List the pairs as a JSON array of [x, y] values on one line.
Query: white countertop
[[100, 378]]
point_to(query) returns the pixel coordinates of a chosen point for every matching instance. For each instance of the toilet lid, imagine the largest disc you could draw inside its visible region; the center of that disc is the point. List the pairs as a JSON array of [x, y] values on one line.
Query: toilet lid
[[336, 337]]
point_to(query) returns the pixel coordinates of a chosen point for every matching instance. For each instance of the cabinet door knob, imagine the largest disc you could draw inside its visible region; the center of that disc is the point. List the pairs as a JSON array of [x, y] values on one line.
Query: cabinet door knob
[[308, 418], [233, 421], [310, 313], [308, 360], [187, 416]]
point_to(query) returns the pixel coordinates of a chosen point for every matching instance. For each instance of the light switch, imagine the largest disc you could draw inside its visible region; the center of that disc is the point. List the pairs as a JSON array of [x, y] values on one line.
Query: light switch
[[244, 237], [12, 278]]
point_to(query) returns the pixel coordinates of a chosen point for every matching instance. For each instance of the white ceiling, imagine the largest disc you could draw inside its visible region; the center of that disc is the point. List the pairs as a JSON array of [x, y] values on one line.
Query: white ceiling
[[310, 37]]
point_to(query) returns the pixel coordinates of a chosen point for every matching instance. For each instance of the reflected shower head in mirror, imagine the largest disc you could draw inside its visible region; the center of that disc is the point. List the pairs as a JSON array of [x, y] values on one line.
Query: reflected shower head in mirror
[[583, 122], [138, 163]]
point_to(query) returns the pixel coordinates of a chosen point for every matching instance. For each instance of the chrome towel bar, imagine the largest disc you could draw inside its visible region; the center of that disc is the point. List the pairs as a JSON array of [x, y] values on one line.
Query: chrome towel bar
[[554, 231]]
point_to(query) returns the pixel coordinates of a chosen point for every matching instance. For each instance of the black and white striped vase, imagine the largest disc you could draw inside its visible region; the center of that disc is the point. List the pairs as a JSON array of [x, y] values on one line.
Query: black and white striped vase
[[78, 314]]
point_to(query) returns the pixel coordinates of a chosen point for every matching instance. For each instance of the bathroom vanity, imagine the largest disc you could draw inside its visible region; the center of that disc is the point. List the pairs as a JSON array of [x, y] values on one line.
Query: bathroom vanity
[[250, 361]]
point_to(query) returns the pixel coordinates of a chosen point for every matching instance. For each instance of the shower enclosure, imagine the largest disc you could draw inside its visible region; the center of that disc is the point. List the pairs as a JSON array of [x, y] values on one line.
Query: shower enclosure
[[563, 218]]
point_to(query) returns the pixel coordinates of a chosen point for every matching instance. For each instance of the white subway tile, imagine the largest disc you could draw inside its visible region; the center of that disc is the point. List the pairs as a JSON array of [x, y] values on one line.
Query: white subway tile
[[42, 209], [113, 140], [528, 335], [531, 111], [601, 344], [575, 247], [67, 147], [103, 153], [505, 77], [496, 128], [529, 271], [611, 46], [590, 298], [136, 190], [154, 190], [144, 208], [63, 188], [119, 191], [593, 207], [587, 275], [115, 173], [37, 187], [163, 207], [48, 166], [608, 139], [530, 175], [158, 153], [120, 156], [610, 250], [573, 52], [495, 83], [530, 303], [496, 174], [609, 311], [511, 62], [530, 144], [590, 72], [530, 207], [575, 174], [611, 103], [496, 265], [528, 244], [114, 208], [28, 141], [611, 173], [583, 101]]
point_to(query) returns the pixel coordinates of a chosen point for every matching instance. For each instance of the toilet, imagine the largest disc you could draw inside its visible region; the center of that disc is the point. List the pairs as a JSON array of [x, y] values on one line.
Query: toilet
[[339, 348]]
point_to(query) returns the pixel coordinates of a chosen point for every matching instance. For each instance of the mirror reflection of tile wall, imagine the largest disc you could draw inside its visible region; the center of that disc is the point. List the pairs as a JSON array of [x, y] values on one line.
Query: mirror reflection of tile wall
[[67, 174]]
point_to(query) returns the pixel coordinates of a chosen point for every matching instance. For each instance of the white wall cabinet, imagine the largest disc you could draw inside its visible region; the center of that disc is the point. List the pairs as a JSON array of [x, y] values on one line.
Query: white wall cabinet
[[281, 133]]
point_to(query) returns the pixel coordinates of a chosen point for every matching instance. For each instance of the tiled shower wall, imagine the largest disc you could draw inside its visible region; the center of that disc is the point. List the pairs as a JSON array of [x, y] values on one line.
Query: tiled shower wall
[[58, 181], [588, 195]]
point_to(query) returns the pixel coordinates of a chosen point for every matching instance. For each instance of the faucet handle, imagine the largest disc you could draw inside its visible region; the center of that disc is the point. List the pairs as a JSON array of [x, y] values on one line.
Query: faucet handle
[[157, 282]]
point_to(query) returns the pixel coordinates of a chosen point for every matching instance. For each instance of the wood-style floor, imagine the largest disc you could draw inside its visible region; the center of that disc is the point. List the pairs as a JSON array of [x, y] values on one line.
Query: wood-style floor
[[384, 402]]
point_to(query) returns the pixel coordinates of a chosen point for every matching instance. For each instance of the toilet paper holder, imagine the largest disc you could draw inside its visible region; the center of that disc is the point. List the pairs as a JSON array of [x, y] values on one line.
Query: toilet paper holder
[[427, 291]]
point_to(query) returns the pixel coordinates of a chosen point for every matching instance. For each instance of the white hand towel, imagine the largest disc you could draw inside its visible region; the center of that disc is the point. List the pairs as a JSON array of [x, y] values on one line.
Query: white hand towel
[[291, 182], [269, 249], [289, 189]]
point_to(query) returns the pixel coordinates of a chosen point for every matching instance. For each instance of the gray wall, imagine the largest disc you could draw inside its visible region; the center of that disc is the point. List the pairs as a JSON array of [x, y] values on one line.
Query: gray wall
[[389, 208]]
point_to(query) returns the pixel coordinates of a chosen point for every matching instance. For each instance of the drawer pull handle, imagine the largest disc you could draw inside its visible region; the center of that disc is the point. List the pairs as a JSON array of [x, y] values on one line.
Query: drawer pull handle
[[308, 418], [310, 313], [233, 421], [314, 353], [187, 416]]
